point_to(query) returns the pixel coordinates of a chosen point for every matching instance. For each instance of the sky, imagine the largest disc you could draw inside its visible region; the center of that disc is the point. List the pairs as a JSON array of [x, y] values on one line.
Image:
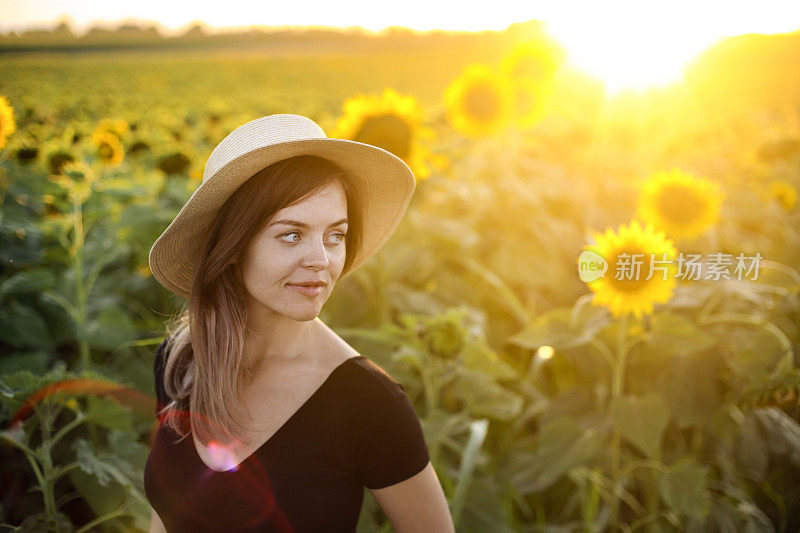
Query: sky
[[628, 43]]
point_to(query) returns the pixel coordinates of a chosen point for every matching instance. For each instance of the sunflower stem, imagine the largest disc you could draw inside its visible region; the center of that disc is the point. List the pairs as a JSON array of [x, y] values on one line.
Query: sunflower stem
[[617, 390], [76, 252]]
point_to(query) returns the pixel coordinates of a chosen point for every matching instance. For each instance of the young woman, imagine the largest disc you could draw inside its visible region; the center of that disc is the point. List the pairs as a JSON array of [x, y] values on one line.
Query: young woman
[[287, 422]]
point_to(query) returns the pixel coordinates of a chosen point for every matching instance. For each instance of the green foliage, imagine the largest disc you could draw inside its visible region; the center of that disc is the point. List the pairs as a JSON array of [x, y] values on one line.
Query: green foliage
[[641, 421], [104, 467], [540, 410], [684, 488]]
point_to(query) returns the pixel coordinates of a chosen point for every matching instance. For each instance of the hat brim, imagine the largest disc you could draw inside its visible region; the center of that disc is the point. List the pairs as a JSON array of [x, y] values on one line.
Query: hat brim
[[385, 182]]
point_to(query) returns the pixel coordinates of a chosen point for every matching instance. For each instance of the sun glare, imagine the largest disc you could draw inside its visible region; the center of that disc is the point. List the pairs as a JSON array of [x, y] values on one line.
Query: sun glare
[[631, 52], [638, 45]]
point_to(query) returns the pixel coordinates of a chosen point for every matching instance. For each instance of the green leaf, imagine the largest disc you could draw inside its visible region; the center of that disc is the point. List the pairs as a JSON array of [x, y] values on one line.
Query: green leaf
[[103, 498], [478, 431], [481, 358], [692, 388], [641, 421], [110, 328], [409, 355], [677, 335], [108, 413], [755, 352], [22, 326], [485, 397], [36, 361], [41, 522], [106, 469], [683, 487], [486, 509], [751, 449], [31, 280], [782, 433], [414, 301], [122, 444], [562, 328], [16, 387], [127, 456], [563, 445]]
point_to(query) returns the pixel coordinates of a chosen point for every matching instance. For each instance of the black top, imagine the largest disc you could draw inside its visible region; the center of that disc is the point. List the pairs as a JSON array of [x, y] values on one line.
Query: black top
[[359, 429]]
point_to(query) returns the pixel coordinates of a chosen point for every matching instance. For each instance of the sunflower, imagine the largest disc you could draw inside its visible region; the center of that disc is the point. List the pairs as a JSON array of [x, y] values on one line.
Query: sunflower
[[391, 121], [682, 205], [57, 159], [531, 100], [534, 61], [109, 149], [625, 289], [76, 179], [784, 192], [7, 123], [118, 127], [143, 270], [445, 334], [479, 102], [174, 163]]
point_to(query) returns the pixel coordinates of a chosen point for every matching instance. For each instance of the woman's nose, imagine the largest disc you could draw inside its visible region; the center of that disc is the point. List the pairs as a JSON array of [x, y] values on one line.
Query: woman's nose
[[316, 255]]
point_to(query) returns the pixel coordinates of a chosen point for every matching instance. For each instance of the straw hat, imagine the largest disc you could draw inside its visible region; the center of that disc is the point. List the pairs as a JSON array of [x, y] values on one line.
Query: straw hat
[[384, 181]]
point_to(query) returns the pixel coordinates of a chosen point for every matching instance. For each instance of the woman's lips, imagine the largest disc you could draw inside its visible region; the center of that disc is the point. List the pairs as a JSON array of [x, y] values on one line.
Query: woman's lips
[[308, 290]]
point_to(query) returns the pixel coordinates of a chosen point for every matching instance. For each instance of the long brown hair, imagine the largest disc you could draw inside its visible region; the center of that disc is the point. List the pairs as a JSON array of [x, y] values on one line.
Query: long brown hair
[[205, 368]]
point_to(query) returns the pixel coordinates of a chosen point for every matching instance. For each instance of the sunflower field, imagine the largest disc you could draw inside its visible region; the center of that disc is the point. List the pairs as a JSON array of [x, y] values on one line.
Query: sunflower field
[[593, 300]]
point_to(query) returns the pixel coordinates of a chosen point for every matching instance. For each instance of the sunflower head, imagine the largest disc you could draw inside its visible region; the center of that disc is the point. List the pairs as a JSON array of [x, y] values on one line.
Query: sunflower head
[[77, 179], [57, 159], [479, 102], [633, 254], [391, 121], [7, 123], [28, 150], [118, 127], [534, 61], [784, 192], [174, 163], [139, 147], [109, 148], [679, 203], [444, 335], [531, 100]]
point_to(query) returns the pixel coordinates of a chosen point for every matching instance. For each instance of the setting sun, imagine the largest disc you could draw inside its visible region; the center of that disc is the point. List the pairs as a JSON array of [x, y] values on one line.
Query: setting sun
[[635, 45]]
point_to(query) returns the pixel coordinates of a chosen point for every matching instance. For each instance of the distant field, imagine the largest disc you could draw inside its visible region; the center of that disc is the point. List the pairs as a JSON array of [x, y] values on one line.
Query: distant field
[[134, 83]]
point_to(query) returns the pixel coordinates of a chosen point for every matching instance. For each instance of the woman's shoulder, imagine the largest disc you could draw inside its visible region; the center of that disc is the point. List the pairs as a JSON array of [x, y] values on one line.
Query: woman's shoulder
[[368, 380], [365, 378]]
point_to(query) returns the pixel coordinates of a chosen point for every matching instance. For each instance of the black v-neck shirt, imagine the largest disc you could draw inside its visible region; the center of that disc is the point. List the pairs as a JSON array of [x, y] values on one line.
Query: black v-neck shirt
[[359, 429]]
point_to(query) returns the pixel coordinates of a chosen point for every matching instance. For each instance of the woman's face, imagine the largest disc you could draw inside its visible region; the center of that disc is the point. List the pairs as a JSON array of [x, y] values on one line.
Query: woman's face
[[301, 243]]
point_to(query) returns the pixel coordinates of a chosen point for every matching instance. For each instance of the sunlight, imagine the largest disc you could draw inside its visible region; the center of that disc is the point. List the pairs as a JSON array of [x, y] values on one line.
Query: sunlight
[[634, 51], [637, 45]]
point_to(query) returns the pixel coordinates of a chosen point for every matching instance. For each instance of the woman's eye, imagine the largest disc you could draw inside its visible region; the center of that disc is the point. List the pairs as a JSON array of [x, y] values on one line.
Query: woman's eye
[[289, 235], [340, 235]]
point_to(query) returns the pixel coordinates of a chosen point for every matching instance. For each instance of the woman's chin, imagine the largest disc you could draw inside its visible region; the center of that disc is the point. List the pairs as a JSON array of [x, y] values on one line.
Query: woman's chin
[[306, 314]]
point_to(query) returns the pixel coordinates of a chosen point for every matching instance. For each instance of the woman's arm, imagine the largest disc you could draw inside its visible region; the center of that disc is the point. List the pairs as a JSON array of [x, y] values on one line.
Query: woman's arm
[[156, 525], [417, 504]]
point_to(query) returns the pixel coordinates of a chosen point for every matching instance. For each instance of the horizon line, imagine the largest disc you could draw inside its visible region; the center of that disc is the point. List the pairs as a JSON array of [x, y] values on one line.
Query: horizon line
[[79, 30]]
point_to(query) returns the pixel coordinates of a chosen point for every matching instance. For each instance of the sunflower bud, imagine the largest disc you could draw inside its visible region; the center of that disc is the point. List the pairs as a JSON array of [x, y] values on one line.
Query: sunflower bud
[[445, 335]]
